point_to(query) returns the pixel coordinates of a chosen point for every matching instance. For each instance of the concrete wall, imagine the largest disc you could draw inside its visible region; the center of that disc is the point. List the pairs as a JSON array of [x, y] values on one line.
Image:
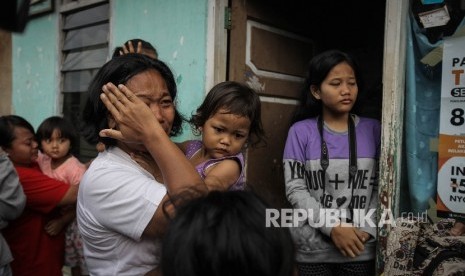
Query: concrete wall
[[177, 28], [35, 54]]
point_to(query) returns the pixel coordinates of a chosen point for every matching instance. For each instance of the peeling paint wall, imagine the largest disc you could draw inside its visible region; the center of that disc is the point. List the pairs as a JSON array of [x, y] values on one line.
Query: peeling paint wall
[[177, 29], [35, 72]]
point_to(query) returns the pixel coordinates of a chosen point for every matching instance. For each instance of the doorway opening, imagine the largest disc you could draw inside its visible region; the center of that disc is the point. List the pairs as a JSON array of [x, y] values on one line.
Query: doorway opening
[[270, 45]]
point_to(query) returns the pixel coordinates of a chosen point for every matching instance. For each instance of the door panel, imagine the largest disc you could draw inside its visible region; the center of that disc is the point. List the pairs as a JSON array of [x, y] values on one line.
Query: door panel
[[264, 165], [270, 56]]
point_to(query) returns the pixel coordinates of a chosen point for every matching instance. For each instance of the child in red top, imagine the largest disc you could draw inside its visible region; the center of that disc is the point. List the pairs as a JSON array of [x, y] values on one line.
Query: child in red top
[[34, 251]]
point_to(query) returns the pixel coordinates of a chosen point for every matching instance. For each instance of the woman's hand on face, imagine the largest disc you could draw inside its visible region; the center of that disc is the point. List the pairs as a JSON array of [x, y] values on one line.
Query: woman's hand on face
[[135, 122]]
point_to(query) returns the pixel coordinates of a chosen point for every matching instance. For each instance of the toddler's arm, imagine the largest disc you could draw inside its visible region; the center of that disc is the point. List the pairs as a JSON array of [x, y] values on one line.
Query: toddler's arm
[[55, 226]]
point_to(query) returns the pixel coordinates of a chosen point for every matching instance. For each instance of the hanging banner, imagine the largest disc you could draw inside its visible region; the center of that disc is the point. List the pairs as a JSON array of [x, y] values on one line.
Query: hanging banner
[[451, 155]]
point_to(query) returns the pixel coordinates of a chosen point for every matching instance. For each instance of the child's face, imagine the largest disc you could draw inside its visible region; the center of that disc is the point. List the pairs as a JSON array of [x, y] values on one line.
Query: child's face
[[339, 90], [24, 147], [225, 134], [56, 146]]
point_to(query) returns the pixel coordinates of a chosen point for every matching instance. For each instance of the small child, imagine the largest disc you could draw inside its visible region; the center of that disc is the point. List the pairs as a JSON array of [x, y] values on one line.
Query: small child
[[57, 138], [228, 120]]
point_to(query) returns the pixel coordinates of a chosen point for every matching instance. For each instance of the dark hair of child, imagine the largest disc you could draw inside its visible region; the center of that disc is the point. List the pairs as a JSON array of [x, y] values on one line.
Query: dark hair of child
[[65, 128], [225, 233], [237, 99]]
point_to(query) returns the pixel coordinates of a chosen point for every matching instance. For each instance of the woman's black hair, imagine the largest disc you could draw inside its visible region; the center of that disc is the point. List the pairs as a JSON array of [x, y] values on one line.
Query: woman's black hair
[[318, 69], [225, 233], [119, 70], [237, 99], [147, 46], [66, 129], [7, 125]]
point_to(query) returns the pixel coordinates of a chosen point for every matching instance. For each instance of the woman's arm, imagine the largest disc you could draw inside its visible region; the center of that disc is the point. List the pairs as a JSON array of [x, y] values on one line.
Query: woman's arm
[[137, 124]]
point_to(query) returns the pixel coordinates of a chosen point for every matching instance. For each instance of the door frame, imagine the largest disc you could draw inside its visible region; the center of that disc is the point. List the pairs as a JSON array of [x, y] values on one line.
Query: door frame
[[392, 107], [394, 59], [217, 44]]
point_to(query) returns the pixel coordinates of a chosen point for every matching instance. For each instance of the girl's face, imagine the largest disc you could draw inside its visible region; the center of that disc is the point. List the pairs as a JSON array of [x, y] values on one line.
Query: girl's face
[[56, 146], [24, 147], [338, 91], [225, 134]]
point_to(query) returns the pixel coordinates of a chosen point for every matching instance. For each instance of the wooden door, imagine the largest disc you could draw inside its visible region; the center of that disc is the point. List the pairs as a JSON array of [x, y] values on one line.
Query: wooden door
[[270, 44], [269, 53]]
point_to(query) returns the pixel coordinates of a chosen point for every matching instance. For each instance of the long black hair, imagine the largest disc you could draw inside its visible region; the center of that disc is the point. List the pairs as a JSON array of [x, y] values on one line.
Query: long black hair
[[318, 68]]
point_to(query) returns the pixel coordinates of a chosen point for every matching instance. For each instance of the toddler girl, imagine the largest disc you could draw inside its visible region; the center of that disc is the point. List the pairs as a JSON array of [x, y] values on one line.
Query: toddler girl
[[228, 120], [57, 138]]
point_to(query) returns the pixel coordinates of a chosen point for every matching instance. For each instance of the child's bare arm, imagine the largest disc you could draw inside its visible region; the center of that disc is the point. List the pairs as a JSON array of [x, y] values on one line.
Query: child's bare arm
[[55, 226], [223, 175]]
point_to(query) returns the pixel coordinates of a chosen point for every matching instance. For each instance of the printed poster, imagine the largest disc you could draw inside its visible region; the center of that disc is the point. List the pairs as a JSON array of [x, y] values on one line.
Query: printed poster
[[451, 152]]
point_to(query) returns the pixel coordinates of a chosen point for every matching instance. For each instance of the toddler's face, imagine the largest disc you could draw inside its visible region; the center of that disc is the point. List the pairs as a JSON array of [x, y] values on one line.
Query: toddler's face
[[56, 146], [224, 134]]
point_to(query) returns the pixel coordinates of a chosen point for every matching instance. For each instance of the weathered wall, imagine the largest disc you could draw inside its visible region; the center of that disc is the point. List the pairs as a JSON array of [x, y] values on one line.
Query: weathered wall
[[35, 80], [177, 28]]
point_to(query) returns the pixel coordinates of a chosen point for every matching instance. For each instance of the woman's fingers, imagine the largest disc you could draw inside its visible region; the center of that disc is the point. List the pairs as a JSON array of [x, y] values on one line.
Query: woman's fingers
[[128, 94], [110, 102], [120, 93], [132, 116], [111, 133], [139, 47], [131, 47]]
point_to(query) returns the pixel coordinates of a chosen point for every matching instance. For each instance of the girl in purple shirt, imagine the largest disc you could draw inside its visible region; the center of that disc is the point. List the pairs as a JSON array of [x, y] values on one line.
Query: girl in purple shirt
[[228, 120], [330, 168]]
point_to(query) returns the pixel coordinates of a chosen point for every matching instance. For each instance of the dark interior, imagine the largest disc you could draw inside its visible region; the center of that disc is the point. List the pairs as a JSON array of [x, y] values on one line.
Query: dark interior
[[353, 26]]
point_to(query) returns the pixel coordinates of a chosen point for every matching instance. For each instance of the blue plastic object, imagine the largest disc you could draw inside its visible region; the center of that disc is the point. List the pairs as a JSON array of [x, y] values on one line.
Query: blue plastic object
[[427, 2]]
